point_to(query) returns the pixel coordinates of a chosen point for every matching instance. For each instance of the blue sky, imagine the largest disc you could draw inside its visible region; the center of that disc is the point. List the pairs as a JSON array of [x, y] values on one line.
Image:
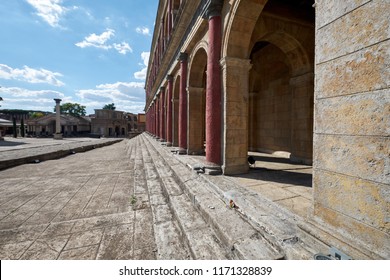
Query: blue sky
[[91, 52]]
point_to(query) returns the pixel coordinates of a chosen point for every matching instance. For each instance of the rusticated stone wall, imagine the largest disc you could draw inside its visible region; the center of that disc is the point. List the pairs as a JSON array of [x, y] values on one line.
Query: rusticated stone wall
[[352, 121]]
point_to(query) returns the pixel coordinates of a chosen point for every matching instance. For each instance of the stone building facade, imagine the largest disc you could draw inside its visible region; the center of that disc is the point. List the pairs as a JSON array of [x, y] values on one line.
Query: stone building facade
[[309, 79], [70, 125], [110, 123]]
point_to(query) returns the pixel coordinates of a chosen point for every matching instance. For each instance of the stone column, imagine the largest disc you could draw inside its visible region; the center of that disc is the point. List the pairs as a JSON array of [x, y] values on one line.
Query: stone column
[[213, 89], [236, 99], [175, 124], [157, 117], [152, 119], [58, 134], [302, 93], [183, 104], [162, 114], [169, 111]]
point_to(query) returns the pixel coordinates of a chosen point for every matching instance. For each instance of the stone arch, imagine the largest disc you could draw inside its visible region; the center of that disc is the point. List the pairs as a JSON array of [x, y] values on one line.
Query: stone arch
[[196, 65], [281, 89], [242, 20], [297, 55], [197, 100]]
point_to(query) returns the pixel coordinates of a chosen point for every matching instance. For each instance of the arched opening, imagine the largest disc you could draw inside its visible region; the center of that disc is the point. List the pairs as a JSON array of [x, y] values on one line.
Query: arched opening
[[276, 95], [270, 100], [281, 81], [197, 104], [175, 111]]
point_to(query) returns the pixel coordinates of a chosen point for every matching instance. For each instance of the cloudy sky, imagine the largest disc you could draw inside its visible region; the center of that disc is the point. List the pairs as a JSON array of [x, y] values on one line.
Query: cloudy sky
[[91, 52]]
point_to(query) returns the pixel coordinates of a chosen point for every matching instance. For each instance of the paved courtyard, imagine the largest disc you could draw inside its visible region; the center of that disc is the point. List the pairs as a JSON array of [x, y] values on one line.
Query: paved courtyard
[[137, 200], [74, 208]]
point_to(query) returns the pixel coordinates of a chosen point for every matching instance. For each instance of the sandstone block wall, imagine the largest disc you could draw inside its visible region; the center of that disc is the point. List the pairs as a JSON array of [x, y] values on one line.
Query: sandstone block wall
[[351, 122]]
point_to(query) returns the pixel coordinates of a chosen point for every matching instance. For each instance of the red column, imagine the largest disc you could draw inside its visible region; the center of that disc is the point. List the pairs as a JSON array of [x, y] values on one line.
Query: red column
[[154, 119], [162, 113], [157, 117], [169, 110], [146, 121], [183, 104], [213, 89]]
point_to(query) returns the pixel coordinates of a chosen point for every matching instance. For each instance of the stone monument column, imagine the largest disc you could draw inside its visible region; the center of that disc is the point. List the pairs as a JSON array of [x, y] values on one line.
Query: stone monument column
[[58, 134]]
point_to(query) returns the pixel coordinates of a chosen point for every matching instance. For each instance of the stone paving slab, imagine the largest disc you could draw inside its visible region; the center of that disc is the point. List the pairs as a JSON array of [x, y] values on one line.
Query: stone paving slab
[[14, 152], [52, 212]]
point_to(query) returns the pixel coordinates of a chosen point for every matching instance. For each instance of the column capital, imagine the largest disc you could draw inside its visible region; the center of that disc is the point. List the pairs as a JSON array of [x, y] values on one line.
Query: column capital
[[57, 100], [212, 8], [183, 56], [169, 78], [162, 89]]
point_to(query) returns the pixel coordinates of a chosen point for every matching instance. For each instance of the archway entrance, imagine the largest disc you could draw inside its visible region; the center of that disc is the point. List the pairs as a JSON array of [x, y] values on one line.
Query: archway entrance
[[175, 111], [279, 102], [281, 82], [197, 104]]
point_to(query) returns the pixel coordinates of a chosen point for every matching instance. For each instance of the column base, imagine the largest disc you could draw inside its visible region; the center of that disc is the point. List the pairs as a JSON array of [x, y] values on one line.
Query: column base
[[58, 136], [169, 144], [212, 169], [182, 151]]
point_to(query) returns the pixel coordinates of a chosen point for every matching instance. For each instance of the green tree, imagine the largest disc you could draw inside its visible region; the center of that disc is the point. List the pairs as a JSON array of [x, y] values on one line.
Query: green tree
[[73, 109], [109, 106], [35, 115]]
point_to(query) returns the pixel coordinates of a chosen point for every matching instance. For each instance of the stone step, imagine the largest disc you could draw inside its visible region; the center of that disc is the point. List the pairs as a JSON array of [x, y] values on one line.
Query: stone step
[[232, 230], [201, 239], [169, 241], [277, 225]]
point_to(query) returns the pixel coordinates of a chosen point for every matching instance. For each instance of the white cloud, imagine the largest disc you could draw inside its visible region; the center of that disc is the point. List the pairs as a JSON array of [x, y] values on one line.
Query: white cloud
[[30, 75], [143, 30], [50, 11], [15, 97], [97, 41], [141, 75], [129, 97], [101, 42], [123, 48]]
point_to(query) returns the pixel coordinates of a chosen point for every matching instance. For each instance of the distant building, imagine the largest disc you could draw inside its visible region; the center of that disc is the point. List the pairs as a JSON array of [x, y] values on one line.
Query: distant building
[[70, 125], [109, 123], [6, 127], [141, 123]]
